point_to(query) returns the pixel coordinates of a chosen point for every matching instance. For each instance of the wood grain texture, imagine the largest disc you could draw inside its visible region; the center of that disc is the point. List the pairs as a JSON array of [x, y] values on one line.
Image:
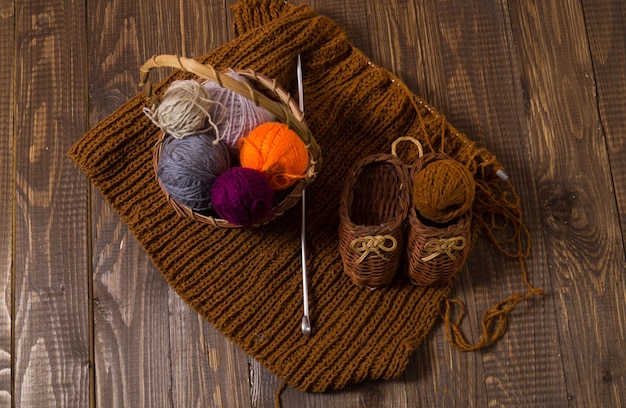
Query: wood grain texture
[[207, 369], [131, 339], [130, 297], [51, 360], [472, 77], [7, 44], [541, 86], [175, 359], [606, 28], [205, 26], [485, 101], [577, 197]]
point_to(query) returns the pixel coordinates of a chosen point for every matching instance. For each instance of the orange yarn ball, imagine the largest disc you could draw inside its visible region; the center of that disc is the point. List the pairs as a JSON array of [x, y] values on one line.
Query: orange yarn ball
[[277, 152]]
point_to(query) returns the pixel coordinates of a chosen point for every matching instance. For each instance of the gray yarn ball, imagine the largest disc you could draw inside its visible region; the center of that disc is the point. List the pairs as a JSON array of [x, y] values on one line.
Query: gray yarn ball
[[188, 167]]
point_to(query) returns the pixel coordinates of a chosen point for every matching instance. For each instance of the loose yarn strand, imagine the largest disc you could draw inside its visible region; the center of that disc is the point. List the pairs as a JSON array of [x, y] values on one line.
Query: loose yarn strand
[[510, 216], [183, 111], [494, 321], [281, 388]]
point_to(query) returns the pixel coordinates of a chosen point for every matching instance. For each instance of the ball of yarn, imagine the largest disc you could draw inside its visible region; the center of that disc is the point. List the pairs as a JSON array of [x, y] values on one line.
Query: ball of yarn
[[184, 110], [242, 196], [277, 152], [188, 167], [236, 115], [443, 190]]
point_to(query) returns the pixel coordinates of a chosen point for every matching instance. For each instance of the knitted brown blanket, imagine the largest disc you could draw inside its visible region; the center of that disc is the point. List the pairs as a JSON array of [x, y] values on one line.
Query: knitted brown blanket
[[247, 282]]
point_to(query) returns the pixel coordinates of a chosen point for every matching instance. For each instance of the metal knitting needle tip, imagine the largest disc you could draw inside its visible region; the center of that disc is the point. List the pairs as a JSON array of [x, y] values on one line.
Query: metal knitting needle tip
[[306, 323], [300, 84], [500, 173], [306, 326]]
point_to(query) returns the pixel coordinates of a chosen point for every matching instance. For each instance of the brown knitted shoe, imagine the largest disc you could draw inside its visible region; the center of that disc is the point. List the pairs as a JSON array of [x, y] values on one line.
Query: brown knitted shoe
[[373, 208]]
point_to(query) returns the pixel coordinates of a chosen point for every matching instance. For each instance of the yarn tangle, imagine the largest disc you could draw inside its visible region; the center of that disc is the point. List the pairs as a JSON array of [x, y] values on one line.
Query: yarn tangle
[[443, 190], [277, 152], [188, 167], [235, 114], [242, 196], [184, 110], [497, 214]]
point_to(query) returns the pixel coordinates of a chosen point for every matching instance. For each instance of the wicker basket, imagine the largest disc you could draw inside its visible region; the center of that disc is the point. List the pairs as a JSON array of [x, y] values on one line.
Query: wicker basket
[[373, 209], [435, 253], [264, 92]]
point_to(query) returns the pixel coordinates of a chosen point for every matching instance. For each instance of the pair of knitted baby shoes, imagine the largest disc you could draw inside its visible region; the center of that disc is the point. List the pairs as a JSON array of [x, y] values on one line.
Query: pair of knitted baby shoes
[[392, 213]]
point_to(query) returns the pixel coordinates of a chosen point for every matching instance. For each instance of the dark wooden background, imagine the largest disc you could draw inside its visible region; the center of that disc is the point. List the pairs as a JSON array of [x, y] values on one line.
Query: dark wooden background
[[86, 320]]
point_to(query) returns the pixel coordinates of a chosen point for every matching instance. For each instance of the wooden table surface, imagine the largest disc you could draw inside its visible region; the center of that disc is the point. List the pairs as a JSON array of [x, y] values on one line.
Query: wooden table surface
[[87, 321]]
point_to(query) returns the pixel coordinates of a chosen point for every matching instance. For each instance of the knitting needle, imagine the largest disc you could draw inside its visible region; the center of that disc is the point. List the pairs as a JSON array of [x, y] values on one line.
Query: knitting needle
[[306, 322]]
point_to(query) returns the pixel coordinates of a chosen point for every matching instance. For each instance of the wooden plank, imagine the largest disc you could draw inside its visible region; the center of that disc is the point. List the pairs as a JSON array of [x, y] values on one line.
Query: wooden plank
[[51, 334], [404, 38], [606, 28], [487, 104], [205, 26], [131, 323], [580, 217], [131, 341], [183, 361], [7, 93], [463, 54], [122, 36], [207, 369]]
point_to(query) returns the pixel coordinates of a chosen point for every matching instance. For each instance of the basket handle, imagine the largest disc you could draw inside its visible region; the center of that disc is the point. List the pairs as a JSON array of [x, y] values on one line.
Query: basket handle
[[413, 140], [291, 115]]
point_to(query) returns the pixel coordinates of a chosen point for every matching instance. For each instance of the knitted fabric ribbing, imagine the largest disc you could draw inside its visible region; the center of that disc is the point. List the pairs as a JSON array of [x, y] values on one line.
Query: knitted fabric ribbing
[[247, 282]]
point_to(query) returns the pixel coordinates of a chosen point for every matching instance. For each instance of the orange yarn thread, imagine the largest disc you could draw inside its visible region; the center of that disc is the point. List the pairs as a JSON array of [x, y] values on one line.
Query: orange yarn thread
[[443, 190], [277, 152]]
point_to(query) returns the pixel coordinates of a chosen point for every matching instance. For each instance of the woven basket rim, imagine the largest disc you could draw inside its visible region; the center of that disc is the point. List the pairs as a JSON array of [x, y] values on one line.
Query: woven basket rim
[[264, 92], [347, 194]]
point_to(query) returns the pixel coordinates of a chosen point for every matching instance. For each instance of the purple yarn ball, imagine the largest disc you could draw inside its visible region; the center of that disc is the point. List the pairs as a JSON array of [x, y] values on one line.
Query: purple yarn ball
[[242, 196]]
